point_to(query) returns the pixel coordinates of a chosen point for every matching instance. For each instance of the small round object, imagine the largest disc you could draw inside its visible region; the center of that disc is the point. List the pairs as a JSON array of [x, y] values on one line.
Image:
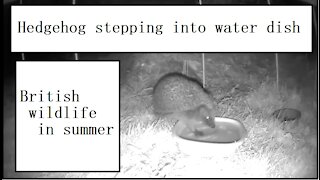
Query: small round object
[[286, 114]]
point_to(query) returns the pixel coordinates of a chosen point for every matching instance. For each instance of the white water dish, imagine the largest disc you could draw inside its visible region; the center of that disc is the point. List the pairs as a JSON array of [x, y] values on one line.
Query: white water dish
[[222, 140]]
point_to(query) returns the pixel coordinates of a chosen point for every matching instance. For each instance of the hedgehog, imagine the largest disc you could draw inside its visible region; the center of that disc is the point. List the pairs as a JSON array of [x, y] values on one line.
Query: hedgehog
[[196, 119], [183, 98]]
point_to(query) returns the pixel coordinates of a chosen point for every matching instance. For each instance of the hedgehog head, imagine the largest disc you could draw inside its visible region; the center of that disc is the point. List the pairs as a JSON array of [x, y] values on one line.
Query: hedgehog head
[[206, 116]]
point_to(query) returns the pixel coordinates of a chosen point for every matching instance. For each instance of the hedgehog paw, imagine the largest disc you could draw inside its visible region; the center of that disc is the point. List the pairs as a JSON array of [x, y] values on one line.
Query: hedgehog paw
[[198, 133]]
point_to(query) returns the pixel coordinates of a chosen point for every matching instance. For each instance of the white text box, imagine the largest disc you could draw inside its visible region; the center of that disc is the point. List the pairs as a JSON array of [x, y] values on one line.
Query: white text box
[[161, 28]]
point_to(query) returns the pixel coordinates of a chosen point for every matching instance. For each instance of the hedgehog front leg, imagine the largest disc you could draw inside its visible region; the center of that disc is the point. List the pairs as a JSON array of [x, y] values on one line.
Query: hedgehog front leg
[[197, 133]]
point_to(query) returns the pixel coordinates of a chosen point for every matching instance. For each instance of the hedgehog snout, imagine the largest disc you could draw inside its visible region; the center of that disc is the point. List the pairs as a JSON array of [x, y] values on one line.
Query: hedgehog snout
[[210, 121]]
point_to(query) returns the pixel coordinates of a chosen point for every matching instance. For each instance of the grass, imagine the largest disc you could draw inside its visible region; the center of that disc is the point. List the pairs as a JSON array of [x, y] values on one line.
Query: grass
[[271, 150], [243, 88]]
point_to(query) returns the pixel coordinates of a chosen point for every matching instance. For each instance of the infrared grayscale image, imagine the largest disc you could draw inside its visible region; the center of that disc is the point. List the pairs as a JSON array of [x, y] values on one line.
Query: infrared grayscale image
[[197, 115]]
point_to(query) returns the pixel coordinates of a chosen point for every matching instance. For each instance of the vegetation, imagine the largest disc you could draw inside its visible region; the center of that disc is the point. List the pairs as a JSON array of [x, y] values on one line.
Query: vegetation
[[244, 88]]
